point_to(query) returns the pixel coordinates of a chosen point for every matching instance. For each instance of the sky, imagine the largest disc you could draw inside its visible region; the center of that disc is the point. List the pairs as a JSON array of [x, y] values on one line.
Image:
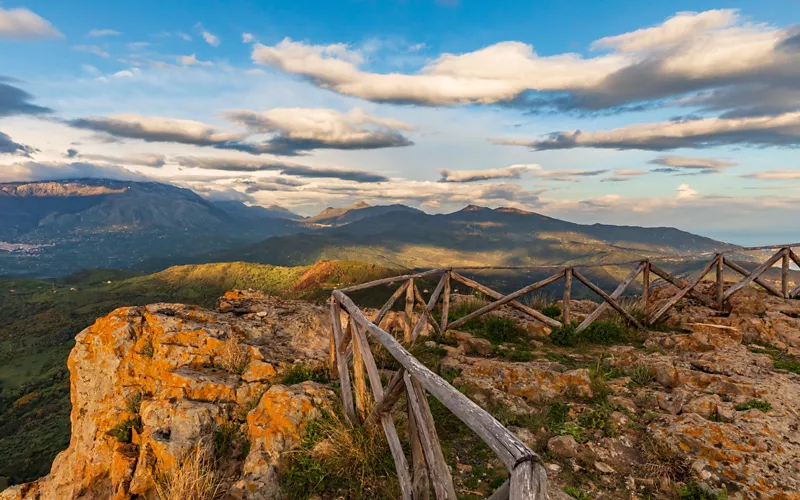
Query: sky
[[683, 114]]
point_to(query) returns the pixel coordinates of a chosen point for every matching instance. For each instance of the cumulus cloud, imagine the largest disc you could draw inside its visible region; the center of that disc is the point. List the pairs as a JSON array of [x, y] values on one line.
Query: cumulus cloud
[[191, 60], [242, 165], [41, 171], [688, 53], [103, 32], [15, 101], [248, 38], [777, 130], [22, 24], [510, 172], [8, 146], [295, 130], [91, 49], [684, 192]]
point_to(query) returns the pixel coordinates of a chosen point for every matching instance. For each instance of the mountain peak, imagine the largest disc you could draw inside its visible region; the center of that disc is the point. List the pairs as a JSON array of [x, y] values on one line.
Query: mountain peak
[[474, 208], [358, 205]]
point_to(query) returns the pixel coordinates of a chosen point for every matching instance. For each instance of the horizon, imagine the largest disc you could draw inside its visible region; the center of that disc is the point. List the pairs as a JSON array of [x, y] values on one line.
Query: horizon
[[683, 115]]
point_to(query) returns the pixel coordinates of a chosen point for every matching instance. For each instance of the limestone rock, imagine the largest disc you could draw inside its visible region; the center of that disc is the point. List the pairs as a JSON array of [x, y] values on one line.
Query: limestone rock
[[563, 446], [162, 369]]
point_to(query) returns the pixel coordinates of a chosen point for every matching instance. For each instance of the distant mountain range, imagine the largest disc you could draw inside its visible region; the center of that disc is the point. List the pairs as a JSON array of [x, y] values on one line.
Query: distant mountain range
[[70, 225]]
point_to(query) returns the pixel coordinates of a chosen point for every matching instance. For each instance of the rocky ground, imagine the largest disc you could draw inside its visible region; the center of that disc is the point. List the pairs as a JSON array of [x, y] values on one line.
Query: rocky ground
[[706, 407]]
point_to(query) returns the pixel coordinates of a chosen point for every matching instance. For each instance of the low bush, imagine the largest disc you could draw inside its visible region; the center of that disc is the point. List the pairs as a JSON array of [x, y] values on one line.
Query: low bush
[[230, 441], [552, 311], [566, 336], [605, 332], [500, 329], [693, 491]]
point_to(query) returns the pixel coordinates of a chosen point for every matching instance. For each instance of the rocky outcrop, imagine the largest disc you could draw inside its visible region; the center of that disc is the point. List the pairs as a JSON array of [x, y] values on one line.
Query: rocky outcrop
[[149, 384]]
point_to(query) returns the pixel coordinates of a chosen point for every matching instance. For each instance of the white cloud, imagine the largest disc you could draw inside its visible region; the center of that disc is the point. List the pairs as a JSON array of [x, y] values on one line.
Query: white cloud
[[302, 129], [123, 74], [104, 32], [90, 69], [510, 172], [191, 60], [156, 129], [22, 24], [628, 172], [248, 38], [184, 36], [780, 130], [417, 47], [686, 53], [684, 192], [683, 26], [91, 49], [210, 38]]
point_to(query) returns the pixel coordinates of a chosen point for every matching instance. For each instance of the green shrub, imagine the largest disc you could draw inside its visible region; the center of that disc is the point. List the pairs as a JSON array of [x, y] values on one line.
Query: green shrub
[[565, 336], [123, 432], [754, 403], [500, 329], [134, 403], [552, 311], [604, 332]]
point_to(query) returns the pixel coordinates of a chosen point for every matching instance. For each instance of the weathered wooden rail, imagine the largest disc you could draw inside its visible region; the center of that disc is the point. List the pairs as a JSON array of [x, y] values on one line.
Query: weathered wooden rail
[[527, 478]]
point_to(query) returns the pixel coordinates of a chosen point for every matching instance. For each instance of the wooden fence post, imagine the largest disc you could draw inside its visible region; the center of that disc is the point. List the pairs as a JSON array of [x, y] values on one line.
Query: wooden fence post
[[565, 316], [785, 273], [409, 319], [446, 303], [359, 376], [720, 282], [646, 286], [341, 363]]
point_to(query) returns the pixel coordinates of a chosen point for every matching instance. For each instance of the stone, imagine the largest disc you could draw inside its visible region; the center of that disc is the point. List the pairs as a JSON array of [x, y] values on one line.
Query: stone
[[563, 446], [479, 346], [604, 468]]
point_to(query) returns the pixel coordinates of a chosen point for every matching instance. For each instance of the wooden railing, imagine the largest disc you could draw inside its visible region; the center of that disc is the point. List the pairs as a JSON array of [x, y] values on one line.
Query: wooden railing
[[527, 477]]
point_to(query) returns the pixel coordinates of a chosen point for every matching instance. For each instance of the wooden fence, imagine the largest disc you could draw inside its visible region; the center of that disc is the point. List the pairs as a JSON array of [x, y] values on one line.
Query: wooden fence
[[527, 477]]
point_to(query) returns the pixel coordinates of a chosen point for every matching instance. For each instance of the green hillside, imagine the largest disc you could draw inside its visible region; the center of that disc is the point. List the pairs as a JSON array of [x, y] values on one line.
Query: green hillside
[[39, 319]]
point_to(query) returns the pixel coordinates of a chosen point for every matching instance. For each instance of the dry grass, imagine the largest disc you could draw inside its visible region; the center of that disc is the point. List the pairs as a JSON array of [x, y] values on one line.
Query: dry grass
[[538, 300], [339, 460], [234, 357], [660, 460], [195, 477]]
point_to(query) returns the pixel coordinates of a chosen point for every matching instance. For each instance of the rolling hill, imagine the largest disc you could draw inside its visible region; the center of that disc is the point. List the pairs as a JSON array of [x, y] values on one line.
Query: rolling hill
[[472, 236], [60, 227]]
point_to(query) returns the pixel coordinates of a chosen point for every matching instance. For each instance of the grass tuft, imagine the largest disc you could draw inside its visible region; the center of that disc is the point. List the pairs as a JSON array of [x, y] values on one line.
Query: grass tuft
[[234, 357], [195, 477], [337, 460]]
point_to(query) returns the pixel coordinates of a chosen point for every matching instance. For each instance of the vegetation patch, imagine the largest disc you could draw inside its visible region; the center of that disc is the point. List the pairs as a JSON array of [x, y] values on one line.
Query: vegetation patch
[[552, 311], [230, 441], [693, 491], [234, 357], [195, 477], [300, 373], [604, 332], [337, 460], [123, 431], [754, 403]]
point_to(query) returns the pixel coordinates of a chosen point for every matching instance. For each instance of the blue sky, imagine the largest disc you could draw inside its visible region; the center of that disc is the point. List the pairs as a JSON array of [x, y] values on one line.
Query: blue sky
[[652, 113]]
